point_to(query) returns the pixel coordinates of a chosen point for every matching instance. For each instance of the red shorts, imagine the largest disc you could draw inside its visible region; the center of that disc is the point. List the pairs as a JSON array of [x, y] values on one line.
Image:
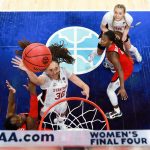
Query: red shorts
[[127, 73]]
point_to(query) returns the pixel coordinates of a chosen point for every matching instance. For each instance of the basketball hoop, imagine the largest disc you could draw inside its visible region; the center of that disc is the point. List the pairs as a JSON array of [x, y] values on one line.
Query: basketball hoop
[[86, 115]]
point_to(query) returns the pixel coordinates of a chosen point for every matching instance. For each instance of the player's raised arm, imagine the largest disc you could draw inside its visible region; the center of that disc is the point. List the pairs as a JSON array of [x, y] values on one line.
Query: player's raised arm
[[18, 63], [38, 80], [33, 112], [76, 80], [11, 100], [31, 87]]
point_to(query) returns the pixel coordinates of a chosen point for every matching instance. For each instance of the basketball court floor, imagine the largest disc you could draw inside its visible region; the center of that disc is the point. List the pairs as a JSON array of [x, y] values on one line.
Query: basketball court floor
[[48, 21]]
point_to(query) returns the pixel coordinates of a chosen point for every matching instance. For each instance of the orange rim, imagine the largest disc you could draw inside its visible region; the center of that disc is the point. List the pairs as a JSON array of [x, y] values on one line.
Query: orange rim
[[75, 99]]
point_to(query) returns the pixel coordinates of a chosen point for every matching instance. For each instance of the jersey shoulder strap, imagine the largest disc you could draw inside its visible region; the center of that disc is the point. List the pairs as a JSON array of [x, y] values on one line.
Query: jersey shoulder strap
[[113, 48]]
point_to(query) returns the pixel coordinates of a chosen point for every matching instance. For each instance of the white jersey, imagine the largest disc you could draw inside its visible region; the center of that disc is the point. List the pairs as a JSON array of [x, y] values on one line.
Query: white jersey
[[116, 25], [56, 90]]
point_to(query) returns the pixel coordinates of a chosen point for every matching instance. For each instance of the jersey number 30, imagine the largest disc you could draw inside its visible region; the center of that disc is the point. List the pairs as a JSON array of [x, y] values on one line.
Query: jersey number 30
[[60, 95]]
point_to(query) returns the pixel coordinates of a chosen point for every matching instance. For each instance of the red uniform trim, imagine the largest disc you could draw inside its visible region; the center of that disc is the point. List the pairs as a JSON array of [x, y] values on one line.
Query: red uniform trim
[[125, 61], [33, 112], [33, 106]]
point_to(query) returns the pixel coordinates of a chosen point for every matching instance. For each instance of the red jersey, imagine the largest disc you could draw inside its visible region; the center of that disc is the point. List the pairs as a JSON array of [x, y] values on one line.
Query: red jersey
[[125, 61], [33, 112]]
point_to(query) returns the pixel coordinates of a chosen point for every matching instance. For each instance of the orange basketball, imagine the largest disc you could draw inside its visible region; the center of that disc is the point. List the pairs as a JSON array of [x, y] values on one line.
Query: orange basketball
[[36, 57]]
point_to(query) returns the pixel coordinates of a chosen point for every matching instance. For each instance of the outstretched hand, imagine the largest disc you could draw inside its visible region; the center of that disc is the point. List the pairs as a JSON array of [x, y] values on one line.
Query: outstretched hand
[[18, 63], [30, 87], [122, 92], [10, 87], [86, 92]]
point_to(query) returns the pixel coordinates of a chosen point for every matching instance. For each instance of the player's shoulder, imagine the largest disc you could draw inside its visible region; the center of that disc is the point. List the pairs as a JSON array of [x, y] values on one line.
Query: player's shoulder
[[47, 80], [113, 48], [128, 17], [63, 70], [108, 17], [109, 14]]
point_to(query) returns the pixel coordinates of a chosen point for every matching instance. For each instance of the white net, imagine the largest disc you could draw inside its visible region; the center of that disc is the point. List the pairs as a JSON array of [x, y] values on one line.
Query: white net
[[79, 115]]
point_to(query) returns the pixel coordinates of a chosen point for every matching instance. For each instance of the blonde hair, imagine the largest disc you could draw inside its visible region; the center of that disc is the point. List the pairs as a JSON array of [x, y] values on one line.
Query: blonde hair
[[121, 6]]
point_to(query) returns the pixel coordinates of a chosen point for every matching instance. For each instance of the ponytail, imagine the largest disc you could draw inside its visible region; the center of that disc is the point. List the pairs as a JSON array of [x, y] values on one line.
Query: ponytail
[[119, 44], [61, 54], [114, 38], [23, 44]]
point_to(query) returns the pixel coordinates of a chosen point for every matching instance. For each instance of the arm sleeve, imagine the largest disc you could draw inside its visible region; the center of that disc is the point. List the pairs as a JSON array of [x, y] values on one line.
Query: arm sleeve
[[67, 73], [33, 106], [113, 48], [129, 19], [105, 19], [47, 82]]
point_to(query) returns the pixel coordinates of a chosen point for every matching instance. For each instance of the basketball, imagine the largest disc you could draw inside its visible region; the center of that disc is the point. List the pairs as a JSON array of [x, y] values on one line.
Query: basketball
[[36, 57]]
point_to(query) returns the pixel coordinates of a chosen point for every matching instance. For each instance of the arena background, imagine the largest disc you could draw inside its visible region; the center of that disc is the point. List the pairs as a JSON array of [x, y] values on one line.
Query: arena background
[[38, 24]]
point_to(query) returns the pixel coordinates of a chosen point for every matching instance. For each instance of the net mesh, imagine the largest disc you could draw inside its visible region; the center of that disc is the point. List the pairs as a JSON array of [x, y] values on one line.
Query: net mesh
[[81, 114]]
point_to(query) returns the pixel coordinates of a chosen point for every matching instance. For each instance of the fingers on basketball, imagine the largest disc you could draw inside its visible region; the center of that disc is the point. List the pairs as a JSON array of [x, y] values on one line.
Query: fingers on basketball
[[36, 57]]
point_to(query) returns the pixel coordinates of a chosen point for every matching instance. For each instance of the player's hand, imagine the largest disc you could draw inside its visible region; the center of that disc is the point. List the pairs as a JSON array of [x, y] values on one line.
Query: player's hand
[[122, 92], [10, 87], [30, 87], [86, 91], [124, 38], [18, 63]]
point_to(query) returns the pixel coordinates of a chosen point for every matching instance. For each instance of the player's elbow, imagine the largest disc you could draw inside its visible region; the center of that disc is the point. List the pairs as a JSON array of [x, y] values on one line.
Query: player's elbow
[[103, 28], [119, 69], [38, 82], [120, 72]]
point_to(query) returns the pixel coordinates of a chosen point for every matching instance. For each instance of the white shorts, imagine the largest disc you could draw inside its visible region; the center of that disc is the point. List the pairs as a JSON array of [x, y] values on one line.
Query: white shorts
[[60, 108]]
